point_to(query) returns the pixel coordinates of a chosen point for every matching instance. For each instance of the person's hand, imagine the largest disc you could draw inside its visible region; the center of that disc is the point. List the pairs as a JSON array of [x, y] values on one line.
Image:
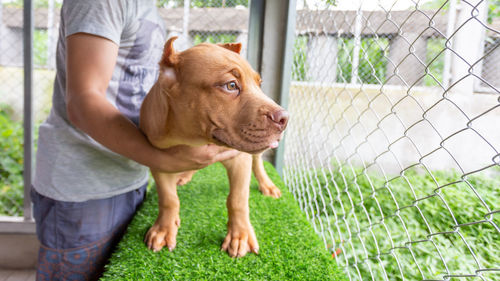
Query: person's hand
[[184, 158]]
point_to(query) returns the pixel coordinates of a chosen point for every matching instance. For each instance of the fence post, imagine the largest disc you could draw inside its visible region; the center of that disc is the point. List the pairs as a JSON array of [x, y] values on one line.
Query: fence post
[[28, 28], [185, 25], [468, 45], [450, 28], [286, 75], [357, 46], [276, 62], [255, 33], [404, 54], [2, 35], [51, 47], [1, 30], [321, 50], [242, 38]]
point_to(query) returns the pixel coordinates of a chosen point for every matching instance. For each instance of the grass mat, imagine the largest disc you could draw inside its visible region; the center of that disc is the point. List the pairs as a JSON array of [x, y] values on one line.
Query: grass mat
[[289, 247]]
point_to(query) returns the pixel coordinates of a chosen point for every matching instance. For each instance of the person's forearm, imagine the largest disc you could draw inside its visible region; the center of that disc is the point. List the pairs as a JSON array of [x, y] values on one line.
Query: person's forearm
[[95, 116]]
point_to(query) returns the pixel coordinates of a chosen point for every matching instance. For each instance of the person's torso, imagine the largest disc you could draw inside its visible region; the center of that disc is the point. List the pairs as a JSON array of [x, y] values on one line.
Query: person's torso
[[71, 166]]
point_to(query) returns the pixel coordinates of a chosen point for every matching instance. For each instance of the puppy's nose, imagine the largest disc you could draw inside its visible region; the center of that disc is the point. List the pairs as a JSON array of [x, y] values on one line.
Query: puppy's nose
[[279, 118]]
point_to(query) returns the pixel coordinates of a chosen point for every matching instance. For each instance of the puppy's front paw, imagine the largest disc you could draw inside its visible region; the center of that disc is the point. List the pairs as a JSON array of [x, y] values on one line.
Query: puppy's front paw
[[270, 190], [240, 240], [162, 234]]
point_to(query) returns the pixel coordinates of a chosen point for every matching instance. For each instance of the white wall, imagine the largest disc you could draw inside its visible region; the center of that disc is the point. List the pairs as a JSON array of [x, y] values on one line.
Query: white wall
[[391, 127]]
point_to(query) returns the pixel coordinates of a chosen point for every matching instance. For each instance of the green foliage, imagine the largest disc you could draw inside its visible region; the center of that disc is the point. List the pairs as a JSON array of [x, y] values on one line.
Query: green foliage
[[45, 3], [493, 10], [372, 60], [11, 165], [397, 217], [214, 37], [40, 47], [434, 5], [493, 7], [219, 3], [36, 3], [299, 67], [344, 60], [204, 3], [434, 61], [289, 247]]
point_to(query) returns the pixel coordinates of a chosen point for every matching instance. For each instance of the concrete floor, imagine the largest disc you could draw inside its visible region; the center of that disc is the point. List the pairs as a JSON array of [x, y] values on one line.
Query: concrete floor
[[18, 254], [17, 275]]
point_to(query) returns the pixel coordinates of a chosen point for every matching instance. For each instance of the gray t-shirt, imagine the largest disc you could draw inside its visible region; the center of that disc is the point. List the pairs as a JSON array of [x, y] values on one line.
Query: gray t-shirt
[[70, 165]]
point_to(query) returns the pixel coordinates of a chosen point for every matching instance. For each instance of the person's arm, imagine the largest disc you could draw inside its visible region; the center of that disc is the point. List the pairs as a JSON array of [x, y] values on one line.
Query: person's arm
[[90, 61]]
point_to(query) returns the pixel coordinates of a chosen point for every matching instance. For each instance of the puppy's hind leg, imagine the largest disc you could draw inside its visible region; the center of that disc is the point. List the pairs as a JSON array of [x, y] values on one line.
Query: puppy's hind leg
[[266, 185], [164, 230], [185, 177]]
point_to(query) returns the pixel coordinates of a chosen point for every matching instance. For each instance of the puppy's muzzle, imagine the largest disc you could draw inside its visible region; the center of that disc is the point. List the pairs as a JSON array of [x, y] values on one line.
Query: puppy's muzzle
[[279, 119]]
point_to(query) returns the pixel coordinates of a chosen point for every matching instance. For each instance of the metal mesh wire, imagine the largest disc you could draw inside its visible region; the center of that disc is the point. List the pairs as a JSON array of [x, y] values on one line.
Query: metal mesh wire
[[393, 147], [11, 105], [203, 20], [46, 20], [197, 21]]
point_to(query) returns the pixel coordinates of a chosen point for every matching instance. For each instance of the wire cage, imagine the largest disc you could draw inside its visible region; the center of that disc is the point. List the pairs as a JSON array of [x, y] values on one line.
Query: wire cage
[[392, 151], [218, 21], [193, 21], [11, 110], [393, 148]]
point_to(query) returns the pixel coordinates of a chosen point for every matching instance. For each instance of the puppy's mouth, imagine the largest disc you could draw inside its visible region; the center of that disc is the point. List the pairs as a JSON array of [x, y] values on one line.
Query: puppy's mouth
[[249, 145]]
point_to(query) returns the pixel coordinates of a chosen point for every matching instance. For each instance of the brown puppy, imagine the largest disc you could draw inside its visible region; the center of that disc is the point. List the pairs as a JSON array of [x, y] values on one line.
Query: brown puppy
[[210, 94]]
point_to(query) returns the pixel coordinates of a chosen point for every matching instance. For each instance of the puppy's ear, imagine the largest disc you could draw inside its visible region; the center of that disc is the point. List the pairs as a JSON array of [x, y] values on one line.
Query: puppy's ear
[[168, 64], [170, 57], [235, 47]]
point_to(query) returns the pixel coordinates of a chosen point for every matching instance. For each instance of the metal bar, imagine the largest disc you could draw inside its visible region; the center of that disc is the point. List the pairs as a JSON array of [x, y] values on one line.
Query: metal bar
[[450, 28], [255, 33], [50, 34], [1, 25], [468, 44], [28, 28], [185, 25], [286, 75], [482, 9], [16, 225], [357, 46]]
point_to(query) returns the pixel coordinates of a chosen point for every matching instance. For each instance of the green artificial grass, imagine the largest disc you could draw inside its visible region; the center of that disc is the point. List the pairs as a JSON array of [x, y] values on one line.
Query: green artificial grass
[[289, 247]]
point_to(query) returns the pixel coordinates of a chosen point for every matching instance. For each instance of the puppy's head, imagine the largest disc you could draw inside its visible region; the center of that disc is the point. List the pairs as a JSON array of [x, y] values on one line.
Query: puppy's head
[[217, 95]]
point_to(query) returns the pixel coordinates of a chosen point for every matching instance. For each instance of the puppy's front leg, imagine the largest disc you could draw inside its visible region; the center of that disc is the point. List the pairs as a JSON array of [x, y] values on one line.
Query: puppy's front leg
[[164, 230], [240, 237]]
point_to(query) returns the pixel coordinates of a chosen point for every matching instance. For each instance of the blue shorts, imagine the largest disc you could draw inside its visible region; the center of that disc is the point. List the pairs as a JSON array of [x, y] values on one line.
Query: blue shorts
[[77, 238]]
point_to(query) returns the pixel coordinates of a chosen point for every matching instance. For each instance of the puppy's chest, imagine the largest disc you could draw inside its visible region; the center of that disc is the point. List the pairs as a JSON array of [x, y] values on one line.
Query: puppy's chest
[[173, 140]]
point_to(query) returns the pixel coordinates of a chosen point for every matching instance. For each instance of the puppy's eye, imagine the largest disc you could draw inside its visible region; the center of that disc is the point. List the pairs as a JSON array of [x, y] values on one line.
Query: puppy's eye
[[231, 86]]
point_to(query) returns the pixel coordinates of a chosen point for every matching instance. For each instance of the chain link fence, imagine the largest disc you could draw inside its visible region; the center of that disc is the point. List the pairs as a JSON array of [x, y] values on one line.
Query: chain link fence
[[11, 106], [193, 21], [393, 148], [46, 20], [392, 151], [214, 21]]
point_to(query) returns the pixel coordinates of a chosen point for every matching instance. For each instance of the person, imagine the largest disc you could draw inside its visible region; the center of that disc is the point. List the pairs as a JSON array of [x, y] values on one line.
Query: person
[[92, 160]]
